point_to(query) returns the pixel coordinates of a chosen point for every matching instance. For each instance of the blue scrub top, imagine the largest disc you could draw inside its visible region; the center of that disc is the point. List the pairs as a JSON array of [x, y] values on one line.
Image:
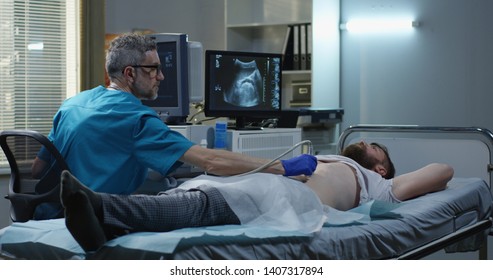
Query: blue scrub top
[[110, 139]]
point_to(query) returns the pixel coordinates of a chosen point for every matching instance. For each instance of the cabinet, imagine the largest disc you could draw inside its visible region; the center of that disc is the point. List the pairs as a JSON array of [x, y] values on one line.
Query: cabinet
[[196, 133], [261, 26], [266, 143]]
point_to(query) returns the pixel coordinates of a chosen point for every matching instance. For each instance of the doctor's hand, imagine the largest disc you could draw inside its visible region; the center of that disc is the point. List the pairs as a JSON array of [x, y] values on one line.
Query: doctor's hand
[[300, 165]]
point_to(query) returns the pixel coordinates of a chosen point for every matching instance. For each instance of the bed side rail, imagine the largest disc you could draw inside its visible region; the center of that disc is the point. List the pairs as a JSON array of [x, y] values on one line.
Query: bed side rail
[[415, 131], [450, 239]]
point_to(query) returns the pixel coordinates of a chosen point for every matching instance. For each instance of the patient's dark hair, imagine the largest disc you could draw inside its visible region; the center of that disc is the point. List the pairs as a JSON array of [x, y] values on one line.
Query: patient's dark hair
[[387, 162], [358, 154]]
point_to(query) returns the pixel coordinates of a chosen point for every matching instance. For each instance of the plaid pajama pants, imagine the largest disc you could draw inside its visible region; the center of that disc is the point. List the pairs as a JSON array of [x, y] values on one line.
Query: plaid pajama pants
[[173, 209]]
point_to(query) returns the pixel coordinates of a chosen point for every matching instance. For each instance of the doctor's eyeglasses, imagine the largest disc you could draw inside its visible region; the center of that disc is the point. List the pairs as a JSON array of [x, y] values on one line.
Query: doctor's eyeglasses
[[154, 69]]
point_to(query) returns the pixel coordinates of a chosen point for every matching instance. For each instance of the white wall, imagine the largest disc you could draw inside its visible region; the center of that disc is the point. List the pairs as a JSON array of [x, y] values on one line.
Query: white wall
[[325, 54], [203, 21], [441, 74]]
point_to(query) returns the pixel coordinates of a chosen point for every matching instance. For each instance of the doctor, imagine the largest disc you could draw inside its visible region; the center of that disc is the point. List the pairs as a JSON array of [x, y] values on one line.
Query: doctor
[[109, 139], [265, 200]]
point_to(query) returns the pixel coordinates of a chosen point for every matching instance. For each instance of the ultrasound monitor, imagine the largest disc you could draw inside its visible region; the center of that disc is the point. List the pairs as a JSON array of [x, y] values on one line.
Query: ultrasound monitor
[[172, 102], [242, 85]]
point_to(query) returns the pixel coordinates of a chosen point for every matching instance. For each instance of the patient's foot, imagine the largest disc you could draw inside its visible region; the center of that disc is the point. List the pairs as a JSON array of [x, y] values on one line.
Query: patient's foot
[[80, 205], [70, 185]]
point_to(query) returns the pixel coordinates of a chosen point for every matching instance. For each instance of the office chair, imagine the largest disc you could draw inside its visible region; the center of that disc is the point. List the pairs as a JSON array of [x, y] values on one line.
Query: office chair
[[34, 188]]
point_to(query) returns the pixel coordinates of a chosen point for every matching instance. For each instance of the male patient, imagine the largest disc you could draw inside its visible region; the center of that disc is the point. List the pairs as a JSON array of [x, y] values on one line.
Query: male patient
[[257, 199]]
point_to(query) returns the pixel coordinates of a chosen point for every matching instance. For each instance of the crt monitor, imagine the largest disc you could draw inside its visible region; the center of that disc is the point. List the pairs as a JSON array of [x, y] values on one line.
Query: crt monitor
[[172, 103], [242, 85]]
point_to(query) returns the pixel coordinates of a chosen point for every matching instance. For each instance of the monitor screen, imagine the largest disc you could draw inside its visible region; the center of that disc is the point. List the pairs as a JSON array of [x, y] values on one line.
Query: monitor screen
[[242, 84], [172, 102], [168, 87]]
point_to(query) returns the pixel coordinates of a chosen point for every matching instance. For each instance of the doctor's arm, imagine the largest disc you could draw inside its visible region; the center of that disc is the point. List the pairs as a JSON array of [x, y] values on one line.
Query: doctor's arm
[[222, 162], [431, 178]]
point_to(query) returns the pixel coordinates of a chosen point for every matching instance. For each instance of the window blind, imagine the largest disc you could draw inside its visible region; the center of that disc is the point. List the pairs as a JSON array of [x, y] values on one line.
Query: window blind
[[38, 61]]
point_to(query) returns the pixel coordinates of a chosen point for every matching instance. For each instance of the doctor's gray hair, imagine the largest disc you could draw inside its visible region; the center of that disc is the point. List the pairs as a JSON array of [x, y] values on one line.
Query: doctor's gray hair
[[125, 50]]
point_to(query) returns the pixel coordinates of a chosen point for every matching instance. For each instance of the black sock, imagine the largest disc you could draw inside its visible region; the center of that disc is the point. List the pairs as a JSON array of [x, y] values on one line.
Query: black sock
[[80, 216], [70, 185]]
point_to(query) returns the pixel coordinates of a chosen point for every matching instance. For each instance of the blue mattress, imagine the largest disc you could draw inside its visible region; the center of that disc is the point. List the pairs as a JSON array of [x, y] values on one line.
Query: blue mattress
[[375, 230]]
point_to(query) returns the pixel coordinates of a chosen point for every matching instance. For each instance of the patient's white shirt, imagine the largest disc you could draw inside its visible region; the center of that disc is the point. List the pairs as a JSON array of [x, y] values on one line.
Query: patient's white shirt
[[373, 185]]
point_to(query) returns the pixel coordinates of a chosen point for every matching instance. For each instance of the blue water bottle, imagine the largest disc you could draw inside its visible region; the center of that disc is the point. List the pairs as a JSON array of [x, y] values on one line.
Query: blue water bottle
[[220, 136]]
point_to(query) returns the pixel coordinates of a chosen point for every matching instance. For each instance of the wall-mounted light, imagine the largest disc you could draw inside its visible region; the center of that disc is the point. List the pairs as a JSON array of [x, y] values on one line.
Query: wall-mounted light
[[379, 25]]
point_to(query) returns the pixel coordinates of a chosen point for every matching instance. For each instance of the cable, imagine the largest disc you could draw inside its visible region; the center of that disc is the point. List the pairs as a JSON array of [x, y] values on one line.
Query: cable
[[310, 152], [200, 110], [205, 120]]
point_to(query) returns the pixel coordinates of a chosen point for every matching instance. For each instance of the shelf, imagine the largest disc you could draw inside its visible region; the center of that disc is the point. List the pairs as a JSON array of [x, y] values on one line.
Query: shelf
[[261, 25], [296, 72], [267, 12], [266, 38], [264, 24]]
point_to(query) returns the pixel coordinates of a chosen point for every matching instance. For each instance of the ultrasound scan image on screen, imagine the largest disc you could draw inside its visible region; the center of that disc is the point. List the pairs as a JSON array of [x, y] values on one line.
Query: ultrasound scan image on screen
[[244, 82]]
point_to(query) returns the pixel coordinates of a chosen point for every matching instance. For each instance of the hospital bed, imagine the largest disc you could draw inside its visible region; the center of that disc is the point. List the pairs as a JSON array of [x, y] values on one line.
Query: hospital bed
[[457, 219]]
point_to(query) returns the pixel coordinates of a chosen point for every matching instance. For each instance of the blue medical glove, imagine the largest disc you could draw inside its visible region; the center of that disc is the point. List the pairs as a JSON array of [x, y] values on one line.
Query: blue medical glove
[[300, 165]]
